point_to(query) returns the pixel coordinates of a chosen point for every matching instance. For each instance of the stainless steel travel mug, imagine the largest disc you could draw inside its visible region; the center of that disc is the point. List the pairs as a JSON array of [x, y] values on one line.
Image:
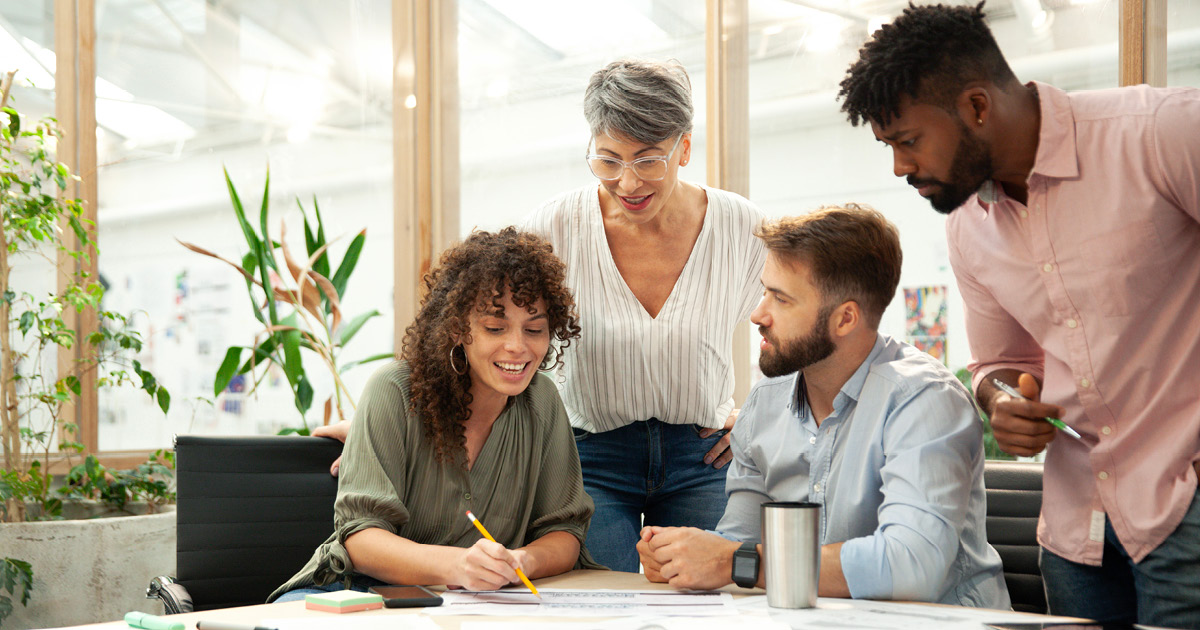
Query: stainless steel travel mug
[[791, 553]]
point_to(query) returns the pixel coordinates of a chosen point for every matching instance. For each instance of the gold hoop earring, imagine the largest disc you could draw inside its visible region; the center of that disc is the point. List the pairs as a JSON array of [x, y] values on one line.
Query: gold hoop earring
[[465, 364]]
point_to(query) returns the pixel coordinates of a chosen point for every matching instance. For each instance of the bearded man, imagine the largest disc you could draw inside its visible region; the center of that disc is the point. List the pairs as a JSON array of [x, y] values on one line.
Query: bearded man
[[878, 433], [1074, 233]]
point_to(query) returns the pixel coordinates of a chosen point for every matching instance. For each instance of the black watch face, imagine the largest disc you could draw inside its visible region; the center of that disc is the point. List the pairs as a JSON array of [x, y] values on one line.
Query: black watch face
[[745, 567]]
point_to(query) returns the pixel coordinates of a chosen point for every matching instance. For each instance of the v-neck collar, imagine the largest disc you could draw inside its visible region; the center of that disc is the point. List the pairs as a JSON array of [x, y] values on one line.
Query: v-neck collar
[[500, 425], [598, 224]]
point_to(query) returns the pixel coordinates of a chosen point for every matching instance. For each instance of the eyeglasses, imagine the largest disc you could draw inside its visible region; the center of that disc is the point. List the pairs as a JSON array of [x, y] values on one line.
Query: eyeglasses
[[649, 169]]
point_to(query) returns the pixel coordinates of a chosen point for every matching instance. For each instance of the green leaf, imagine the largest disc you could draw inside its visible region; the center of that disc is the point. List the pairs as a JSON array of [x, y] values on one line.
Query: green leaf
[[342, 276], [304, 395], [263, 212], [164, 399], [293, 365], [226, 371], [252, 239], [371, 359], [28, 319], [93, 467], [315, 240], [347, 330], [14, 121], [261, 354]]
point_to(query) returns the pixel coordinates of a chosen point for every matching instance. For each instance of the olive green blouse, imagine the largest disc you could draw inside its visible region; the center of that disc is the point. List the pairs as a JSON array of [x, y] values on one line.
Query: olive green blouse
[[524, 484]]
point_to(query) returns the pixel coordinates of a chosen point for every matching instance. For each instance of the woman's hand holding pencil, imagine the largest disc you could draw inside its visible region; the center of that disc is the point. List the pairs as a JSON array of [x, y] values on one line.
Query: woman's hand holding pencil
[[515, 564], [485, 566]]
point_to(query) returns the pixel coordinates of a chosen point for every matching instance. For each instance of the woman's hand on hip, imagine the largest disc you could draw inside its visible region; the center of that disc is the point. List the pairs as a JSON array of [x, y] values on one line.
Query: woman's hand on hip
[[719, 454]]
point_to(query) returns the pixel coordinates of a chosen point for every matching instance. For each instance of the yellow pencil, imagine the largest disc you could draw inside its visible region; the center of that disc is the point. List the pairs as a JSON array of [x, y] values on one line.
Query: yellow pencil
[[484, 531]]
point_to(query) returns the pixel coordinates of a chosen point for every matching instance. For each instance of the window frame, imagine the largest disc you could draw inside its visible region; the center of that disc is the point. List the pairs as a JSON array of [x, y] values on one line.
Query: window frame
[[425, 141]]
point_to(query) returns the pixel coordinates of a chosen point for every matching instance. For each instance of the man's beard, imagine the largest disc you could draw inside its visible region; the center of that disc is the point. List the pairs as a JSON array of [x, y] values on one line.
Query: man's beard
[[794, 355], [970, 168]]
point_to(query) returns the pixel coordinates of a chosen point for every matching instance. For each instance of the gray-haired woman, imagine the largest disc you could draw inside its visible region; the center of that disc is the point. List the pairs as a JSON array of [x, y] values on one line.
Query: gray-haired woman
[[662, 271]]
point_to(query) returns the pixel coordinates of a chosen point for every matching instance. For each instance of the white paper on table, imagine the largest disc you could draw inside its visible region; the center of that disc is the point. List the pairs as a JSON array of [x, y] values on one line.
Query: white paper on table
[[638, 623], [350, 622], [853, 614], [584, 603]]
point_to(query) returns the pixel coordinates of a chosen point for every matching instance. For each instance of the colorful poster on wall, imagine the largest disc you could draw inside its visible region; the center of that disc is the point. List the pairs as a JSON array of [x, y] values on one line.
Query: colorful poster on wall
[[925, 319]]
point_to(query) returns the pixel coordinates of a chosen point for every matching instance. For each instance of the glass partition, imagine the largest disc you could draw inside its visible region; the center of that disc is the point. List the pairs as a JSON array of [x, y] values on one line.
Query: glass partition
[[1183, 43], [27, 47], [804, 153], [523, 68], [186, 88]]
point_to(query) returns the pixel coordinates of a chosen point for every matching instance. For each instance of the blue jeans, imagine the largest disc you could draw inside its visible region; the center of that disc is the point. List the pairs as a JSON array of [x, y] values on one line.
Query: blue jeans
[[360, 583], [1161, 590], [647, 468]]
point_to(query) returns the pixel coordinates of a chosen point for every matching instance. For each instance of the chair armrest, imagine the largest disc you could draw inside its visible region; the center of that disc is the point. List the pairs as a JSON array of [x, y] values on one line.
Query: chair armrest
[[174, 596]]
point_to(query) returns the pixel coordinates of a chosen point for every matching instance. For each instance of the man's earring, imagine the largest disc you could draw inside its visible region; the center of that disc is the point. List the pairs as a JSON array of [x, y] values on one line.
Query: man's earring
[[979, 120]]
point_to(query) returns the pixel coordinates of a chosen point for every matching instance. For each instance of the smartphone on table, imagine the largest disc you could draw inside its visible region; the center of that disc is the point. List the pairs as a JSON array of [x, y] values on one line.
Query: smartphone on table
[[1066, 625], [407, 596]]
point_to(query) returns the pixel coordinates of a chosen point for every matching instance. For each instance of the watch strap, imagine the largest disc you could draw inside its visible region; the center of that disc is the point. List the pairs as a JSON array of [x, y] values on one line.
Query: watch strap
[[746, 558]]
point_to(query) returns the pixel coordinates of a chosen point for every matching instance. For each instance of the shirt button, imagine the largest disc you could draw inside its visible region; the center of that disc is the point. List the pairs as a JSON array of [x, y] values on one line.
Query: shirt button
[[1084, 383], [1106, 430], [816, 487], [1047, 267], [467, 496], [1103, 475], [1024, 214], [812, 439], [1071, 323]]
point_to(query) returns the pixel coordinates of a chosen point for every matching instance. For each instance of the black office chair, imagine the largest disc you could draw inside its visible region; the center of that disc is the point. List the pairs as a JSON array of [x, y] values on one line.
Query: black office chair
[[251, 511], [1014, 499]]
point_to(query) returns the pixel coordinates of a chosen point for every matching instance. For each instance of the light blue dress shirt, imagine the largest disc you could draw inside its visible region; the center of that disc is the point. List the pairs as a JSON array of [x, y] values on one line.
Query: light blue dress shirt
[[897, 468]]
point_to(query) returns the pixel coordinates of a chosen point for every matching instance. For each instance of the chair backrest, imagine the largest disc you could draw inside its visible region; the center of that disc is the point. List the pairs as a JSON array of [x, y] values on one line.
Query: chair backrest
[[1014, 500], [251, 512]]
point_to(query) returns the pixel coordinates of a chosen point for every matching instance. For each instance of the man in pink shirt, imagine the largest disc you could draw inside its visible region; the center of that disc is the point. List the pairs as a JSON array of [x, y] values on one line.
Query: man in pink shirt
[[1074, 233]]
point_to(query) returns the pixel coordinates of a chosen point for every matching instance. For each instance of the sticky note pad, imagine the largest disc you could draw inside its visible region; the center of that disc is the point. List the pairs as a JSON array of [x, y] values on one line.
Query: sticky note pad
[[343, 601]]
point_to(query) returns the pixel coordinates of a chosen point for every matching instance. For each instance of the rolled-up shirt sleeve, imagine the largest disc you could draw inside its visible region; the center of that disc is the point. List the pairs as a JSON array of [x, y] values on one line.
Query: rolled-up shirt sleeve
[[932, 444], [367, 496], [745, 485]]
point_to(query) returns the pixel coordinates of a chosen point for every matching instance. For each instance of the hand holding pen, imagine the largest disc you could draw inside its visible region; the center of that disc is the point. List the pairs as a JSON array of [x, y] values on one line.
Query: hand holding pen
[[1021, 424]]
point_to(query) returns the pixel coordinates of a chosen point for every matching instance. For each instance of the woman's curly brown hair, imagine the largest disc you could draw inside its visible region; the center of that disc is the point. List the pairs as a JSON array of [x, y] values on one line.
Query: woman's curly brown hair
[[474, 277]]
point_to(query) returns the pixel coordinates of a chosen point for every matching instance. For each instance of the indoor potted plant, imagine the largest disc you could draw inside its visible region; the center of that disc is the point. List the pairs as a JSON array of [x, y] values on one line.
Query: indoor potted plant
[[297, 301], [43, 550]]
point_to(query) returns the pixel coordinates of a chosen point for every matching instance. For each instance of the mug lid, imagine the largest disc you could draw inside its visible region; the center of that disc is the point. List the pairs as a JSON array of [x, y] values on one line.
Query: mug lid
[[805, 505]]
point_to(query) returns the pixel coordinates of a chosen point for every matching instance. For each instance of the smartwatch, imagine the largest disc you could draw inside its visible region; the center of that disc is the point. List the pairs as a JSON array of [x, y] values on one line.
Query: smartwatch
[[745, 565]]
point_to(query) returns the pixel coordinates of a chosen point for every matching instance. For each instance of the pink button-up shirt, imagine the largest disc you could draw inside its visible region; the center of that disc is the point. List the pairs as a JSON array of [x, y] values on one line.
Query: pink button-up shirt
[[1094, 285]]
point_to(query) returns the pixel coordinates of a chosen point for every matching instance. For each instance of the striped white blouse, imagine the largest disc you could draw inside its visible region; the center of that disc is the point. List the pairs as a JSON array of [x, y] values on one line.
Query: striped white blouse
[[628, 366]]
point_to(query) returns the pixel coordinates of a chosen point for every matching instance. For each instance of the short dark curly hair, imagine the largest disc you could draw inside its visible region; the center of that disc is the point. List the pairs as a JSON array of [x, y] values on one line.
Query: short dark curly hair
[[929, 53], [470, 277]]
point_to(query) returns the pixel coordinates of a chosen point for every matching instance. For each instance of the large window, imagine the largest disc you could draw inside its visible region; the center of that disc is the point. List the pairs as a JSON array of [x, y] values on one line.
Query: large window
[[523, 68], [186, 88], [1183, 43], [804, 153]]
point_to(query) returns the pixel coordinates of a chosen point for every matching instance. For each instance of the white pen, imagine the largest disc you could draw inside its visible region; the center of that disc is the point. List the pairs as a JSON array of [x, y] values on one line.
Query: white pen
[[1008, 389]]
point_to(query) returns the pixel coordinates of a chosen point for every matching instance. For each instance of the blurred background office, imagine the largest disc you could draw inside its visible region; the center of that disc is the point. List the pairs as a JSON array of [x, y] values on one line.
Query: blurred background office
[[421, 121]]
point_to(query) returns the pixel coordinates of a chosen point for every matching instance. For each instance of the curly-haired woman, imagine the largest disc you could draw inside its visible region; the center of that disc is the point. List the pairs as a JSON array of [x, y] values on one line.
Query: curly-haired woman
[[464, 422]]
